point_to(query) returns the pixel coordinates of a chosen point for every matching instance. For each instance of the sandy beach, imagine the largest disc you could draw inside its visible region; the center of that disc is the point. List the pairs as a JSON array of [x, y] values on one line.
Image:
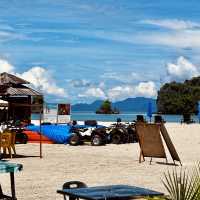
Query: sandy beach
[[103, 165]]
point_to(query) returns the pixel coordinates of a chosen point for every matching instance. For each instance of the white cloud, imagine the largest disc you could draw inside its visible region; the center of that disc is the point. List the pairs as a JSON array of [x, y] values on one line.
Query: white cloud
[[5, 66], [120, 92], [182, 69], [95, 92], [123, 77], [128, 77], [41, 79], [183, 39], [174, 24], [146, 89], [143, 89], [181, 33], [79, 83], [9, 36]]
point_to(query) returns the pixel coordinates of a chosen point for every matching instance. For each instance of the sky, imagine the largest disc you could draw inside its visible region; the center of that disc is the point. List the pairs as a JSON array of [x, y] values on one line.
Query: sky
[[83, 50]]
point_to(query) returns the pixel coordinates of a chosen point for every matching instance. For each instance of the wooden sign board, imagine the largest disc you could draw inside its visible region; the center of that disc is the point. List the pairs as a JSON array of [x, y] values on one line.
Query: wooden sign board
[[37, 104], [63, 113], [169, 143], [150, 140]]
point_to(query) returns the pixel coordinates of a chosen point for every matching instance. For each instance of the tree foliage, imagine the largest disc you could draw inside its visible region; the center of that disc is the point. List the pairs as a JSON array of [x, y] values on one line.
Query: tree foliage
[[106, 108], [179, 98]]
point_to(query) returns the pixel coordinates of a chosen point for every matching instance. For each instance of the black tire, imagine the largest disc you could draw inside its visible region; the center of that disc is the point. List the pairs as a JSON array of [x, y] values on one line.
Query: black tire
[[25, 139], [21, 138], [96, 140], [116, 138], [125, 136], [75, 140]]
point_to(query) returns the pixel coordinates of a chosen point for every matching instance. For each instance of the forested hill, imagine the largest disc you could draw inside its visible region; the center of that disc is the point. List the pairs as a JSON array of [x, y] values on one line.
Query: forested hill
[[179, 98]]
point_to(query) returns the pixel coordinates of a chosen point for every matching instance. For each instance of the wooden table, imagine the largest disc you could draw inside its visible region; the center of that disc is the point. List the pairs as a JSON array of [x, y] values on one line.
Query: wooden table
[[110, 192], [6, 167]]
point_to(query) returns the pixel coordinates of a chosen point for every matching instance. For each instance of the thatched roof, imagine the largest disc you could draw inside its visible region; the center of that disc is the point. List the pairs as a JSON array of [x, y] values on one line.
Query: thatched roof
[[11, 85], [8, 79]]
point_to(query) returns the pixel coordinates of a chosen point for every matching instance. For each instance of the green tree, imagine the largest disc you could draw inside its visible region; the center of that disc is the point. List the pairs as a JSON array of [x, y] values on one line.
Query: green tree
[[179, 98], [106, 106]]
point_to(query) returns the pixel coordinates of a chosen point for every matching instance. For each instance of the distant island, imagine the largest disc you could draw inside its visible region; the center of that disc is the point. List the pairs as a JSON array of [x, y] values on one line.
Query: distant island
[[106, 108], [137, 104]]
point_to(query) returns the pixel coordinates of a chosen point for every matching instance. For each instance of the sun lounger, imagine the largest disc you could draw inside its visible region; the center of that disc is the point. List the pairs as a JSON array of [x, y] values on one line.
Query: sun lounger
[[110, 192], [72, 185], [187, 119]]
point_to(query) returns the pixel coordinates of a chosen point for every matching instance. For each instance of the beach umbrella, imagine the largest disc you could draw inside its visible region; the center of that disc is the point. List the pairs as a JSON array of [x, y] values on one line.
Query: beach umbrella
[[149, 110], [199, 110]]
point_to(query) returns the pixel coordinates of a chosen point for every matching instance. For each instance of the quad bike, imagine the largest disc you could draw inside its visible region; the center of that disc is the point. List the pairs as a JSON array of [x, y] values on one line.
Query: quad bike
[[133, 137], [118, 134], [121, 133], [96, 136]]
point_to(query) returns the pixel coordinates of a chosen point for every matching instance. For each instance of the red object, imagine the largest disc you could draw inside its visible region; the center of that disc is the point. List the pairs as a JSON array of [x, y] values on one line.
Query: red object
[[34, 137]]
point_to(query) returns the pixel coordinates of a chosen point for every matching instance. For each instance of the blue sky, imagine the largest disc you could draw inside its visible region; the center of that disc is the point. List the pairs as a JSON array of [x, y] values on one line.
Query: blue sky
[[82, 50]]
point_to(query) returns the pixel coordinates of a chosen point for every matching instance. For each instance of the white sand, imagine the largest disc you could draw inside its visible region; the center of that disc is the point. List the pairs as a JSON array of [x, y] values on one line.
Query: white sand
[[110, 164]]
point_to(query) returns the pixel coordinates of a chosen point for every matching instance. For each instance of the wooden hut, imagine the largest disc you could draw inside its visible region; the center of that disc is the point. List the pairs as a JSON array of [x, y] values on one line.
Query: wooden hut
[[19, 97]]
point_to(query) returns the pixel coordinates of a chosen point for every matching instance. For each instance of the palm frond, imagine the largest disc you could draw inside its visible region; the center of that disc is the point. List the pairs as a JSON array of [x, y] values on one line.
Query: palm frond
[[183, 185]]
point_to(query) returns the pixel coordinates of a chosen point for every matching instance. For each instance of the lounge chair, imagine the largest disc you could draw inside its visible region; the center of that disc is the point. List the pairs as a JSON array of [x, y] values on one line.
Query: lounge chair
[[187, 119], [140, 118], [71, 185], [158, 119]]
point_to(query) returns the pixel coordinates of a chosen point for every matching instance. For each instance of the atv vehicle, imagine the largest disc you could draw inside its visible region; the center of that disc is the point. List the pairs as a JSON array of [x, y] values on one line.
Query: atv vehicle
[[96, 135], [121, 133], [118, 134], [133, 137]]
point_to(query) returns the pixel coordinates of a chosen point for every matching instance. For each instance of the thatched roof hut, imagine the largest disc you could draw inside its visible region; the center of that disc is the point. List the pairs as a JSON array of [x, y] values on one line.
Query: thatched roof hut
[[7, 79], [11, 85], [19, 96]]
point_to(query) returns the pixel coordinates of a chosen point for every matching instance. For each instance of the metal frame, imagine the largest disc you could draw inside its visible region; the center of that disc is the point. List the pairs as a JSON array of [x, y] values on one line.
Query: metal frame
[[12, 184]]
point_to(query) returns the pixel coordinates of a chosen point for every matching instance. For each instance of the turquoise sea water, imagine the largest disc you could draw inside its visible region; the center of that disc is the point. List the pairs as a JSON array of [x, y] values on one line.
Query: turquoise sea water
[[127, 116]]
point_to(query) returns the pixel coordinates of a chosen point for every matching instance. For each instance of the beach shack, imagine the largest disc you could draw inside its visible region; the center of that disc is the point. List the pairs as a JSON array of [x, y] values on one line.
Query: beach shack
[[17, 97]]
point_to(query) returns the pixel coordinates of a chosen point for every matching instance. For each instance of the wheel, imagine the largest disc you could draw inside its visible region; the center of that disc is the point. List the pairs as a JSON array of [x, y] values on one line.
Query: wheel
[[24, 139], [125, 136], [21, 138], [75, 140], [116, 139], [96, 140]]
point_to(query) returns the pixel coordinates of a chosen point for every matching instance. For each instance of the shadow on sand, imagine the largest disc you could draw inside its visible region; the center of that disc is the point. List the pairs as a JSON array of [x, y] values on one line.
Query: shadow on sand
[[19, 156]]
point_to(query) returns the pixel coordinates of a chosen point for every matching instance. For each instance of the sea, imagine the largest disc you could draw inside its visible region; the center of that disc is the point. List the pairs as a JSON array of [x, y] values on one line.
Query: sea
[[124, 116]]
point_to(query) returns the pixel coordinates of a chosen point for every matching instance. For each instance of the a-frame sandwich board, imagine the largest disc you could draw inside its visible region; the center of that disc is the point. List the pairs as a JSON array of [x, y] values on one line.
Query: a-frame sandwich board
[[150, 141], [170, 145]]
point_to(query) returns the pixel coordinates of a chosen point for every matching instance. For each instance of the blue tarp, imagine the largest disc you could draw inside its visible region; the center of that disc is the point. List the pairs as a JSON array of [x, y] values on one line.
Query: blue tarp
[[57, 133]]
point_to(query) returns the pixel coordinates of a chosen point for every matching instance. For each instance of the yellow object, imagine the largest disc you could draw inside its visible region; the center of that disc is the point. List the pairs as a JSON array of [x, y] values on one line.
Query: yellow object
[[7, 142]]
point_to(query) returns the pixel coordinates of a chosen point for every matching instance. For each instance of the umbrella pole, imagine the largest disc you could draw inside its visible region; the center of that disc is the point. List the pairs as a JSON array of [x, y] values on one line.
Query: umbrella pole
[[40, 134]]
